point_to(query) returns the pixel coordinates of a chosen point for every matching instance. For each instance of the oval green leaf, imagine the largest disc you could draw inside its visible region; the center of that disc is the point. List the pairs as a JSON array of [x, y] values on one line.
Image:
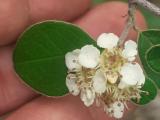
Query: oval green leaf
[[39, 56], [146, 41], [149, 93], [153, 58]]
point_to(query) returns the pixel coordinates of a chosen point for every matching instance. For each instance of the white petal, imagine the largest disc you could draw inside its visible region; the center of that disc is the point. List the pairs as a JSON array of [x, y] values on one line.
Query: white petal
[[141, 75], [122, 85], [118, 105], [131, 59], [130, 50], [118, 109], [99, 82], [71, 59], [132, 74], [118, 114], [130, 44], [89, 56], [129, 75], [129, 54], [107, 40], [71, 84], [89, 93], [87, 96]]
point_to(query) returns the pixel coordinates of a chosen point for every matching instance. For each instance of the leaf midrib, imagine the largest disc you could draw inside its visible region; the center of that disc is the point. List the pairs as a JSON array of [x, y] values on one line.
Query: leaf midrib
[[40, 59]]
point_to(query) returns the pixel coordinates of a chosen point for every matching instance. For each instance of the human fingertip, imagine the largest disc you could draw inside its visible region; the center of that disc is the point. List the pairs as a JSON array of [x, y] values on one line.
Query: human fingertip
[[109, 17], [14, 19], [57, 9]]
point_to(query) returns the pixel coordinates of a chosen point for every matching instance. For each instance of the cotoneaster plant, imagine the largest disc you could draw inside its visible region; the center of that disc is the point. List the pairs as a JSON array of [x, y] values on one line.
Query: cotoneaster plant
[[56, 58], [111, 78]]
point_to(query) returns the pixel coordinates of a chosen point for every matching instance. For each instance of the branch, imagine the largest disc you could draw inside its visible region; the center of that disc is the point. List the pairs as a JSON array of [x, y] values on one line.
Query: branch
[[130, 22], [148, 5], [131, 19]]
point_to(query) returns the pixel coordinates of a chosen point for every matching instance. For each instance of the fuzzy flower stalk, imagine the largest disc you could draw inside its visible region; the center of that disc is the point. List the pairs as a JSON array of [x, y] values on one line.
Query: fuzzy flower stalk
[[109, 78]]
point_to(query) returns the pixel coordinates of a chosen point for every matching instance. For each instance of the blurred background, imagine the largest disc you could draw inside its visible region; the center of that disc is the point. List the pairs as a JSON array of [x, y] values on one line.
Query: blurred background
[[152, 20], [152, 110]]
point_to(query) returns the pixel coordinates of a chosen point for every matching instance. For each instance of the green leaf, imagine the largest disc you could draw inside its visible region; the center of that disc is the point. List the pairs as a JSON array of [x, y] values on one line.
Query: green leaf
[[149, 93], [153, 58], [39, 56], [146, 41], [151, 19]]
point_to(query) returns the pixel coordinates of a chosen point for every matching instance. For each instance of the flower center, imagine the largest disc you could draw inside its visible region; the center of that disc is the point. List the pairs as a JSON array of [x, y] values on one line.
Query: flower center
[[112, 60], [111, 63], [85, 77]]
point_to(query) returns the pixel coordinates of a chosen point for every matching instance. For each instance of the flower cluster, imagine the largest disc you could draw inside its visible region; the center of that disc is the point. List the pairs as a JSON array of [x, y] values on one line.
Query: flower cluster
[[111, 77]]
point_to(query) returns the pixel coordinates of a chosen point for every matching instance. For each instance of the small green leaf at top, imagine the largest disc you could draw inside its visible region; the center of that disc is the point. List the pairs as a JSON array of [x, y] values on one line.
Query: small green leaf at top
[[39, 55], [153, 58], [147, 42], [149, 92]]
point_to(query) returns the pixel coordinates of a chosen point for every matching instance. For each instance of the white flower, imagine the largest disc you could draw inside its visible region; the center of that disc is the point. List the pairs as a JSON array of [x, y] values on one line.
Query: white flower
[[130, 50], [71, 59], [71, 84], [99, 82], [132, 74], [107, 40], [88, 96], [89, 56]]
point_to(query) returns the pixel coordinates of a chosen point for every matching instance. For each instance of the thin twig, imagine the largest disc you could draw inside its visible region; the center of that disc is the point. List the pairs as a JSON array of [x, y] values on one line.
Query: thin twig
[[131, 18], [130, 21], [148, 5]]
